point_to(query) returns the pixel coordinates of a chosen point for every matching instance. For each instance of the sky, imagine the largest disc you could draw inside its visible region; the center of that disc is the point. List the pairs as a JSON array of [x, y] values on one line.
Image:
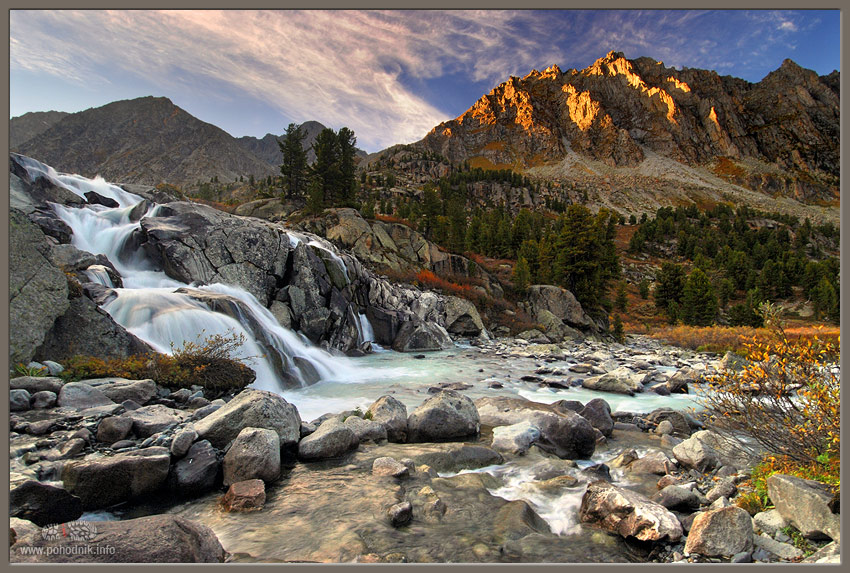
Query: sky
[[390, 76]]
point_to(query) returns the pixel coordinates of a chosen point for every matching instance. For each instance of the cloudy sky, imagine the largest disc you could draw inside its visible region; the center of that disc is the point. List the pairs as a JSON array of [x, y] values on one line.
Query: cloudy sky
[[389, 76]]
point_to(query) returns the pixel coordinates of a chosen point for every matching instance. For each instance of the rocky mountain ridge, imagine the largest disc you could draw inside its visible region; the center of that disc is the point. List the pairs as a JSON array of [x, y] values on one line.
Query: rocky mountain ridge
[[779, 136]]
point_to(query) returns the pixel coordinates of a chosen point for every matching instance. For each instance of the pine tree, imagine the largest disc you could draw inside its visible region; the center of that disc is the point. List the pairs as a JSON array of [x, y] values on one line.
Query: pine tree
[[346, 142], [621, 301], [643, 288], [669, 285], [699, 304], [521, 275], [825, 300], [294, 166]]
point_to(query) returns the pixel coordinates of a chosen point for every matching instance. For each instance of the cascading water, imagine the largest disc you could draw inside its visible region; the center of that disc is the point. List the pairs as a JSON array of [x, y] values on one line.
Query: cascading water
[[149, 307]]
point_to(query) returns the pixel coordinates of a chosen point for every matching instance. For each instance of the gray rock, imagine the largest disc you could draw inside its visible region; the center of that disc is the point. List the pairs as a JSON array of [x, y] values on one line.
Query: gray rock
[[742, 557], [677, 498], [103, 481], [155, 539], [183, 441], [695, 454], [19, 400], [254, 454], [805, 504], [331, 439], [391, 414], [656, 462], [43, 504], [150, 420], [33, 384], [387, 466], [66, 450], [516, 438], [515, 520], [665, 427], [400, 514], [204, 411], [628, 513], [559, 302], [598, 413], [563, 433], [723, 488], [453, 457], [770, 521], [614, 382], [119, 389], [196, 472], [446, 415], [781, 550], [44, 399], [38, 290], [251, 409], [366, 429], [462, 317], [418, 336], [80, 395], [114, 429], [678, 420], [720, 532]]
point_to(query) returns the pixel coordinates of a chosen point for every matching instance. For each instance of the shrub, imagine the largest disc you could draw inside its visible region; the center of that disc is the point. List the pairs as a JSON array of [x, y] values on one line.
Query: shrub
[[787, 398], [24, 370], [211, 364]]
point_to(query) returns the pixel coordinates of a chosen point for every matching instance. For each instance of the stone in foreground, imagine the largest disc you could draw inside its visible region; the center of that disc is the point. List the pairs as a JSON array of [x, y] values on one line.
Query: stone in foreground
[[720, 532], [249, 495], [628, 513], [446, 415]]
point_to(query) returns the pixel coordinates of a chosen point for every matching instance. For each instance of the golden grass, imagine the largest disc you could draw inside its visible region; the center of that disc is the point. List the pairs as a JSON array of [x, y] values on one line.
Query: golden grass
[[719, 339]]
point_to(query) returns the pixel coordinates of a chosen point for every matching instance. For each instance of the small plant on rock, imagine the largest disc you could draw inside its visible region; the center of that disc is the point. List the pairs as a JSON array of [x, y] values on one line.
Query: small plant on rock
[[24, 370]]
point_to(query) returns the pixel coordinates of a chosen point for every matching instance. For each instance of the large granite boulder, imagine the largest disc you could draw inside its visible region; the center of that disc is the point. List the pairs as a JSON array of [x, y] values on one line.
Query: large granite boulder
[[251, 409], [446, 415], [417, 336], [392, 414], [43, 504], [806, 505], [563, 433], [254, 454], [725, 531], [150, 420], [561, 303], [331, 439]]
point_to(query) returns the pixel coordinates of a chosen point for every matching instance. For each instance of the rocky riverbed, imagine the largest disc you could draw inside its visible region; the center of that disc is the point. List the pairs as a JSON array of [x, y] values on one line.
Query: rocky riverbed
[[569, 452]]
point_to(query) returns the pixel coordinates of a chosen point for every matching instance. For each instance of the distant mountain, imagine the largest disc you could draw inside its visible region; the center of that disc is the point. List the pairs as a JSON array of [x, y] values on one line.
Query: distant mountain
[[629, 122], [25, 127], [144, 140], [268, 149]]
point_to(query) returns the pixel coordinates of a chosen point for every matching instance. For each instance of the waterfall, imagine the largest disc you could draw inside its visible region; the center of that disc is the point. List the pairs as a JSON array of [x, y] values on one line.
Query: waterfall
[[148, 306], [364, 330]]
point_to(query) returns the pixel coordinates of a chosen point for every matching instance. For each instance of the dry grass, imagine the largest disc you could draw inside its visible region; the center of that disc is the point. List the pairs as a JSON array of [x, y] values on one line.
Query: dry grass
[[719, 339], [392, 219]]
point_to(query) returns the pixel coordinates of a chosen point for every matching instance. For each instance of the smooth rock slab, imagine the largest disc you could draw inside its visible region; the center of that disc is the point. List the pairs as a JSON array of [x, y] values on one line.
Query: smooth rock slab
[[516, 438], [720, 532], [444, 416], [120, 389], [628, 513], [114, 429], [254, 454], [150, 420], [251, 409], [387, 466], [107, 480], [80, 396], [33, 384], [154, 539]]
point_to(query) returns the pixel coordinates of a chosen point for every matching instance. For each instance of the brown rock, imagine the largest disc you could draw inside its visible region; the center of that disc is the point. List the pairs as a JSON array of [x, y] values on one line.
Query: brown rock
[[248, 495]]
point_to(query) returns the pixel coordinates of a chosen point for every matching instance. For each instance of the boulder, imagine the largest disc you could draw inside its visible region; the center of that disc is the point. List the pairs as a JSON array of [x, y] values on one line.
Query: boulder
[[101, 481], [38, 290], [84, 328], [678, 421], [251, 409], [366, 429], [331, 439], [19, 400], [248, 495], [695, 454], [80, 395], [720, 532], [561, 303], [33, 384], [453, 457], [628, 513], [155, 539], [391, 414], [677, 498], [725, 487], [400, 514], [254, 454], [462, 317], [516, 438], [563, 433], [196, 472], [418, 336], [114, 429], [598, 413], [182, 441], [150, 420], [444, 416], [806, 505], [770, 521], [44, 399], [119, 389], [617, 382], [43, 504]]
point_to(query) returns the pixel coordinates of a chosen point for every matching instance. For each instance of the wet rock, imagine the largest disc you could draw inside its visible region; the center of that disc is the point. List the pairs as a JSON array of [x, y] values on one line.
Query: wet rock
[[65, 450], [80, 395], [516, 438], [249, 495], [805, 504], [391, 414], [33, 384], [42, 400], [615, 382], [19, 400], [114, 429], [515, 520], [331, 439], [655, 462], [254, 454], [154, 539], [121, 444], [566, 434], [453, 457], [400, 514], [150, 420], [104, 481], [556, 485], [664, 428], [196, 472], [43, 504], [446, 415], [628, 513], [720, 532], [387, 466], [598, 413], [251, 409], [415, 336], [677, 498]]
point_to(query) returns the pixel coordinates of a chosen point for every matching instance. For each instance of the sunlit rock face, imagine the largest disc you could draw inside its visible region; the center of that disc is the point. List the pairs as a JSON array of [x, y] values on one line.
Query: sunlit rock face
[[617, 110]]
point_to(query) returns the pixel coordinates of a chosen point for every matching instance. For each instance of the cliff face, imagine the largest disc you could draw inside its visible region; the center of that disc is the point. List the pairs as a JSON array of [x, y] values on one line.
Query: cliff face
[[620, 111], [25, 127]]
